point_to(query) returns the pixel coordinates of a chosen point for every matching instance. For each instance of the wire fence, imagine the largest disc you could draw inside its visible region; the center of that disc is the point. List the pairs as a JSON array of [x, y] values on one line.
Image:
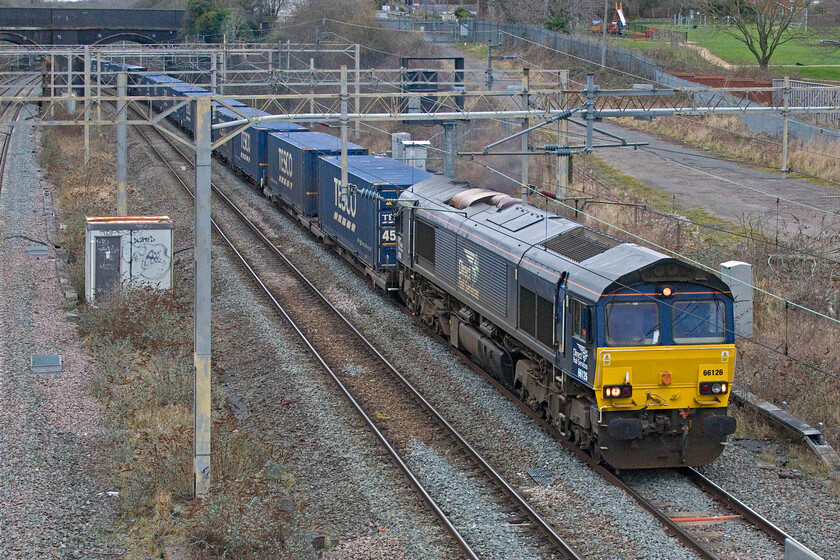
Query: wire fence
[[474, 30]]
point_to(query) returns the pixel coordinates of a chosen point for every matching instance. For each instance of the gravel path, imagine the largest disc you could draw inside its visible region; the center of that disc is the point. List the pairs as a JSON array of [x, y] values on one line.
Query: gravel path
[[53, 474]]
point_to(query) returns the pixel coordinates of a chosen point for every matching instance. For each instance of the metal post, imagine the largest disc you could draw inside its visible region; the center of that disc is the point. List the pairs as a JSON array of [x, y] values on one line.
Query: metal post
[[786, 119], [52, 86], [201, 355], [288, 54], [357, 62], [87, 106], [489, 71], [224, 66], [526, 85], [345, 187], [449, 148], [213, 74], [604, 35], [563, 161], [122, 145], [311, 85], [590, 110], [99, 86], [71, 105]]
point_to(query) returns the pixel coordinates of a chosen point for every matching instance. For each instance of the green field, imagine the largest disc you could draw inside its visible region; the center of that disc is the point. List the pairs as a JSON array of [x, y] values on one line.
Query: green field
[[807, 52]]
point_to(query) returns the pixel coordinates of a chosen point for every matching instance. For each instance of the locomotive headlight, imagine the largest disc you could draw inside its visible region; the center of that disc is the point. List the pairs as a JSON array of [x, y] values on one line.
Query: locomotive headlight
[[723, 388], [667, 291], [716, 388], [618, 391]]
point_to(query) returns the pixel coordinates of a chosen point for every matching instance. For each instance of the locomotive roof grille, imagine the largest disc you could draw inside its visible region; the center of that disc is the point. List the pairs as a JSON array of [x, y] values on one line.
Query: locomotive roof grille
[[580, 244]]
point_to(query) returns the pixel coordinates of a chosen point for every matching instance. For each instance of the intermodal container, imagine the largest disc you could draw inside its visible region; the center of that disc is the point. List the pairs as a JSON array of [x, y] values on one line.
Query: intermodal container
[[179, 90], [250, 147], [155, 85], [223, 115], [293, 166], [363, 223], [185, 116]]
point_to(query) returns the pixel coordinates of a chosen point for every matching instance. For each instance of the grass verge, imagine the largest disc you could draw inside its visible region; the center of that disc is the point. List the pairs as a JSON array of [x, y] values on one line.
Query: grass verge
[[141, 341]]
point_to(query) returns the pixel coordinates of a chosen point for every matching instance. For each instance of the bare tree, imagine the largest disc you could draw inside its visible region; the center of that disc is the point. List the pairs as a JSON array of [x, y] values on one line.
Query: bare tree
[[267, 10], [762, 25]]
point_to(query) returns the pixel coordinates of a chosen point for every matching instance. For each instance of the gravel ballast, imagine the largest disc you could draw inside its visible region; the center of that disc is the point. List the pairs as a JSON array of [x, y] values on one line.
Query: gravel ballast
[[347, 487], [806, 509], [54, 500]]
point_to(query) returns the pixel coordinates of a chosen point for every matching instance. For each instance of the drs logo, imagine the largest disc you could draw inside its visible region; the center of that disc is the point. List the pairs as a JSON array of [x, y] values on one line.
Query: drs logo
[[347, 206], [246, 142]]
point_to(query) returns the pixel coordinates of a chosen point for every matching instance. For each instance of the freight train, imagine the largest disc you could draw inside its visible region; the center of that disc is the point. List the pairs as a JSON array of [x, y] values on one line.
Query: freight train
[[629, 352]]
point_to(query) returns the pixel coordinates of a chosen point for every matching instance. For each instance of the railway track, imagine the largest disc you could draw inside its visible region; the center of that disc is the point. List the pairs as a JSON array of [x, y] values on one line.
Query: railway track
[[691, 535], [394, 411], [5, 116]]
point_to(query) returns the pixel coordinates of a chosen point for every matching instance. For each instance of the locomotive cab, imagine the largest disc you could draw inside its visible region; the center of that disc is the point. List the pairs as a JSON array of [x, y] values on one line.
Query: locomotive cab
[[662, 374]]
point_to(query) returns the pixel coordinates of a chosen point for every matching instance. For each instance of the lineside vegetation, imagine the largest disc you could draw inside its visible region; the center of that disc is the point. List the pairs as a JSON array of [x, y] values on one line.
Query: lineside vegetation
[[141, 341]]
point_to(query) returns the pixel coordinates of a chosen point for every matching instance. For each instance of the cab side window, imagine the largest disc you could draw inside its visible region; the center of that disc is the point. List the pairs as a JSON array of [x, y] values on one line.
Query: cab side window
[[580, 320]]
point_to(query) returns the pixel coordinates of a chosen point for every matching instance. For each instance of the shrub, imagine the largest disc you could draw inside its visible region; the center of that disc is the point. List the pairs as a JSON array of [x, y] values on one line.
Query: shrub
[[462, 12]]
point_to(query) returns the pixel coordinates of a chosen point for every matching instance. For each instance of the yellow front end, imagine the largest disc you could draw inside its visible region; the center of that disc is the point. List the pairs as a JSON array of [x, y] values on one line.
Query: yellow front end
[[665, 422], [664, 377]]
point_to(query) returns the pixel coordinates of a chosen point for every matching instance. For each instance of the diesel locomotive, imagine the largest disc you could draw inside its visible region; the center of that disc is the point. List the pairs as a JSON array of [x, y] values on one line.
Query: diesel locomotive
[[627, 351]]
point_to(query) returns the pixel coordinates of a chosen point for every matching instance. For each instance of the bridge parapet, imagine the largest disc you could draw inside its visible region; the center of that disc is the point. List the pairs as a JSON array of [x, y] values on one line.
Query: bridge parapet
[[83, 26]]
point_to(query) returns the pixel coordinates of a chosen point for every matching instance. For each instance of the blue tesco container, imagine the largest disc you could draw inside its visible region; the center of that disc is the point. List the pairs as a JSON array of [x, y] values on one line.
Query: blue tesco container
[[250, 147], [293, 166], [364, 223]]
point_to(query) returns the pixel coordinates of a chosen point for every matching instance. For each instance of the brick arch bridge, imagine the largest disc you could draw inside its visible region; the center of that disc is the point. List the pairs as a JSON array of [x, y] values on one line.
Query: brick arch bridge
[[83, 26]]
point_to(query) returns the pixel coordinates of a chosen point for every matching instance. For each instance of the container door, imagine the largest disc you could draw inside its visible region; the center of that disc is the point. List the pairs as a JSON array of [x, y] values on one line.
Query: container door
[[387, 234], [107, 264]]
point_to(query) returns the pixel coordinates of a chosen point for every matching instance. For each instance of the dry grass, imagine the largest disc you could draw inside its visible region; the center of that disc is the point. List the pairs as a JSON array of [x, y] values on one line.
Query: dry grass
[[141, 339]]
